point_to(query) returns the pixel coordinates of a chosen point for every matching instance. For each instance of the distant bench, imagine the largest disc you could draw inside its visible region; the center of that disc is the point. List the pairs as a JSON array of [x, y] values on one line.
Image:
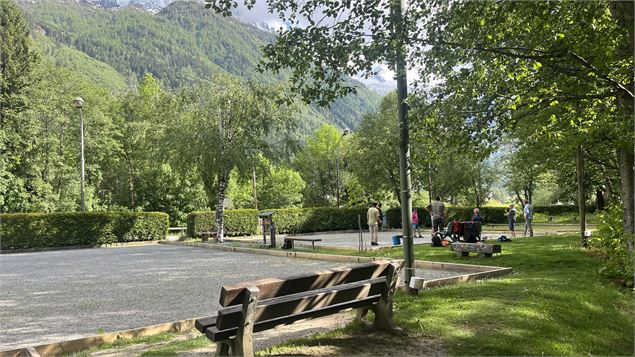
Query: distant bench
[[206, 235], [483, 250], [179, 230], [264, 304], [288, 242]]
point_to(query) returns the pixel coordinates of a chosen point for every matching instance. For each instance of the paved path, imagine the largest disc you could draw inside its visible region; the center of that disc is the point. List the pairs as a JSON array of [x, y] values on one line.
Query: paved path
[[60, 295]]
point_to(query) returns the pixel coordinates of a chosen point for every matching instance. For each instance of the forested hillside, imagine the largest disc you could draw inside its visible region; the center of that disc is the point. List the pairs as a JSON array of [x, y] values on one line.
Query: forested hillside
[[180, 46]]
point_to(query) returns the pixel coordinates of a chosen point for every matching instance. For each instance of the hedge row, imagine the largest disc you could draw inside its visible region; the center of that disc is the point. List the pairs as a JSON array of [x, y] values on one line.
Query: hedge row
[[289, 220], [41, 230], [304, 220], [237, 222], [491, 215]]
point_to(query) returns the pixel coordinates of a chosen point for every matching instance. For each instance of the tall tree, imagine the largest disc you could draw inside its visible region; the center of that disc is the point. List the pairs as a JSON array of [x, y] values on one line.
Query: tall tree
[[373, 155], [17, 62], [225, 125], [316, 164], [565, 67]]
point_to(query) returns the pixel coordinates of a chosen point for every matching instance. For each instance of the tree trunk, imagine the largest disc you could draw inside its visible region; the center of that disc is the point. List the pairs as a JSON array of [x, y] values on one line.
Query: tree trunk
[[518, 197], [622, 12], [580, 176], [131, 185], [626, 180], [220, 207]]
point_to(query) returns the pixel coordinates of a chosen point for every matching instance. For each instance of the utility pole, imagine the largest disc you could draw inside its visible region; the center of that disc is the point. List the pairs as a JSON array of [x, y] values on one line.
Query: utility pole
[[404, 136]]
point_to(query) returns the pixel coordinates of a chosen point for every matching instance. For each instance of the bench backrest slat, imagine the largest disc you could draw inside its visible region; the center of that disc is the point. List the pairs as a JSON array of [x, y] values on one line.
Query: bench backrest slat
[[214, 334], [271, 288], [300, 303]]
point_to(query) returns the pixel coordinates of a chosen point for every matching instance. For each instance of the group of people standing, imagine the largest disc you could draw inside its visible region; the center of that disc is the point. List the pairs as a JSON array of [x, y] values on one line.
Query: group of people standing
[[528, 215], [438, 215]]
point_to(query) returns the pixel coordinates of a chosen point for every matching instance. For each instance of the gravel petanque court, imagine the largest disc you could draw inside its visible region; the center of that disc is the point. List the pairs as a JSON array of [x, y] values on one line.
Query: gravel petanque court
[[59, 295], [66, 294]]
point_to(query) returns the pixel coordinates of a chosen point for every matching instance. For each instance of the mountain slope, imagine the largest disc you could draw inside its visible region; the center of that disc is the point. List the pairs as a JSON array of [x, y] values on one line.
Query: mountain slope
[[180, 45]]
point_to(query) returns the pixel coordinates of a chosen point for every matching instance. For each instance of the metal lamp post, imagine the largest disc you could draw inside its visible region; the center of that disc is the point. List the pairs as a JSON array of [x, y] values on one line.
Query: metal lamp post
[[79, 103], [337, 162]]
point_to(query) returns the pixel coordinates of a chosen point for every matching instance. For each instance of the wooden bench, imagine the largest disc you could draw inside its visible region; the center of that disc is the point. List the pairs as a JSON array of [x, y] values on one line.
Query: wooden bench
[[179, 230], [288, 242], [483, 250], [206, 235], [264, 304]]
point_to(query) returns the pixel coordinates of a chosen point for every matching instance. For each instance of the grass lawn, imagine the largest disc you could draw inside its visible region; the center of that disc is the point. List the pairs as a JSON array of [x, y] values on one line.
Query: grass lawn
[[555, 303]]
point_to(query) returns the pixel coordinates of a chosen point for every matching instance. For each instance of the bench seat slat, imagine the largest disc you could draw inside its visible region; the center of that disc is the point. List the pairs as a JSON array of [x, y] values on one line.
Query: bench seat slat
[[271, 288], [204, 323], [306, 239], [214, 334], [302, 302]]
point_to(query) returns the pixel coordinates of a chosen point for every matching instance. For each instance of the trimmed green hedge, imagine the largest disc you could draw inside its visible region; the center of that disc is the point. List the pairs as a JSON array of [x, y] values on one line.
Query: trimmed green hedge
[[561, 209], [41, 230], [491, 215], [304, 220], [237, 222], [289, 220]]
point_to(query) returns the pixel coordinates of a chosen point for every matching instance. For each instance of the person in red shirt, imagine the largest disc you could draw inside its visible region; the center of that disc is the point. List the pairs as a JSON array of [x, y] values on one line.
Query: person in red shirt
[[415, 224]]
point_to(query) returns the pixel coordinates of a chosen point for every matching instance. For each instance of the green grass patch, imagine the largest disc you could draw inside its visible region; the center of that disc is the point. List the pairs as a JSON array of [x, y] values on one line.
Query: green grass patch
[[122, 343], [555, 303], [172, 348]]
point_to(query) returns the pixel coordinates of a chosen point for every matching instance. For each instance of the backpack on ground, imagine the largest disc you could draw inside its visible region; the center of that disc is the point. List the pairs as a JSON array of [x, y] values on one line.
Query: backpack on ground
[[436, 241], [504, 239]]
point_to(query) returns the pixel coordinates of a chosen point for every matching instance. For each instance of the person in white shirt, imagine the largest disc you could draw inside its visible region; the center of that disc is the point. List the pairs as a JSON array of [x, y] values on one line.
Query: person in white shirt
[[373, 220], [528, 213]]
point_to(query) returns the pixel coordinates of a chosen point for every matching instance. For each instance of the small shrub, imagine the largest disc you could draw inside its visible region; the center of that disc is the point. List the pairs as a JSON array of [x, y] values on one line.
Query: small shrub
[[41, 230], [610, 244]]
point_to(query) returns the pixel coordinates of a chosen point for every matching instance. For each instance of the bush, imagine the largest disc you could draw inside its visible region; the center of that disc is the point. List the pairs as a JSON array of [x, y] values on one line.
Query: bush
[[557, 210], [40, 230], [490, 215], [237, 222], [287, 220], [304, 220], [609, 243]]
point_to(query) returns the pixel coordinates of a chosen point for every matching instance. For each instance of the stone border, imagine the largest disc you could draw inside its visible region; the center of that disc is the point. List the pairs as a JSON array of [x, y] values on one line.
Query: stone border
[[108, 245], [473, 272], [81, 344]]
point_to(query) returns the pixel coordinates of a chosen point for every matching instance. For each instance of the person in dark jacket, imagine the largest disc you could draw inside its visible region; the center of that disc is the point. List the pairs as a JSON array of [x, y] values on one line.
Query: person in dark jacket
[[477, 217]]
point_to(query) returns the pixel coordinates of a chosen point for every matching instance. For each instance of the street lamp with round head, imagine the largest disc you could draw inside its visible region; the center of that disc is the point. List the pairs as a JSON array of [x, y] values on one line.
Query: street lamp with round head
[[78, 102]]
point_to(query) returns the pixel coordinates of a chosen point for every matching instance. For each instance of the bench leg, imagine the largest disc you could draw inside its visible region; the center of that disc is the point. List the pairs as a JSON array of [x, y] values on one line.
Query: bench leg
[[361, 313], [383, 309], [222, 348], [243, 343]]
